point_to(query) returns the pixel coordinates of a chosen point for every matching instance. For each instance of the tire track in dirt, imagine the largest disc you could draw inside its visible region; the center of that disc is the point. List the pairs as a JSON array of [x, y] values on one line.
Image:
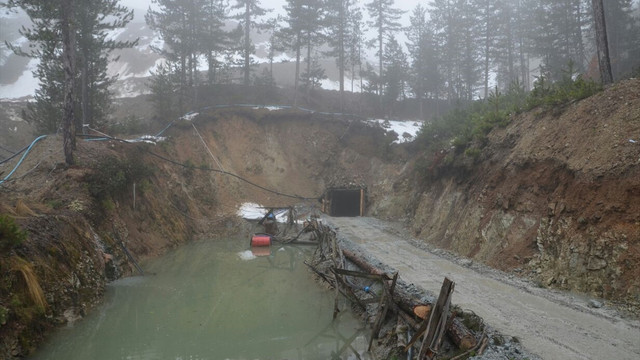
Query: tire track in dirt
[[547, 323]]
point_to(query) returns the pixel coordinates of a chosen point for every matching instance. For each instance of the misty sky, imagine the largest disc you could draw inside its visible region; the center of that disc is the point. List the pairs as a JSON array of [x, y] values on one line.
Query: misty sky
[[277, 5]]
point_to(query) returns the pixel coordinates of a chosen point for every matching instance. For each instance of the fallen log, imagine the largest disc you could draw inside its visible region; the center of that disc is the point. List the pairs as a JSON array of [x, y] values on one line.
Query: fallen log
[[456, 330], [460, 335]]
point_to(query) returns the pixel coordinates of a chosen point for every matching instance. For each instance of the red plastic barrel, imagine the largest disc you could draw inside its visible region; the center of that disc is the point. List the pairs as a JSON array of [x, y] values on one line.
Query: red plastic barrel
[[261, 251], [259, 240]]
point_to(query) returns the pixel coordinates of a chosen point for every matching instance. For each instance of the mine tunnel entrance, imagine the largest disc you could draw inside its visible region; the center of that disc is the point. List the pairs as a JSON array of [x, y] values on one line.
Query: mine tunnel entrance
[[344, 202]]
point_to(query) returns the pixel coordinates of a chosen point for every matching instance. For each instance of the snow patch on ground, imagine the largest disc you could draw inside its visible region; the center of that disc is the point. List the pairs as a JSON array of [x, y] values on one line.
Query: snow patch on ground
[[115, 33], [406, 129], [270, 108], [246, 255], [24, 86], [253, 211], [280, 58], [328, 84]]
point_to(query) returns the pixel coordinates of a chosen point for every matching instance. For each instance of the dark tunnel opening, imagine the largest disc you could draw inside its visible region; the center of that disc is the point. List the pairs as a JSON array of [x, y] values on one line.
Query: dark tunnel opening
[[346, 203]]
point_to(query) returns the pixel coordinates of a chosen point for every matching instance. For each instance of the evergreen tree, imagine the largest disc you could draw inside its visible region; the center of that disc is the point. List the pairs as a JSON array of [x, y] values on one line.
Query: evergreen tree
[[338, 16], [488, 17], [355, 44], [276, 42], [623, 36], [214, 39], [312, 78], [313, 20], [395, 75], [165, 85], [293, 35], [94, 47], [558, 37], [418, 34], [385, 22], [67, 36], [250, 10]]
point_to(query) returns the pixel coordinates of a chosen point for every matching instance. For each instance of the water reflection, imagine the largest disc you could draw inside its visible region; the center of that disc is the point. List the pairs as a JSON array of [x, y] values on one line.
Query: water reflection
[[209, 301]]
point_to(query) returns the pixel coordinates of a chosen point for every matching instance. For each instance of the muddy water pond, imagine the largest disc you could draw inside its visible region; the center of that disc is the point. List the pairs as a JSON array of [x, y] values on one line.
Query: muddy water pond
[[214, 300]]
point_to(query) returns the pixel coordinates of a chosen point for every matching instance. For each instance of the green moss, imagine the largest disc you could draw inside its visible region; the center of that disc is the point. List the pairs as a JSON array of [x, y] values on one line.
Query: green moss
[[11, 235], [472, 321]]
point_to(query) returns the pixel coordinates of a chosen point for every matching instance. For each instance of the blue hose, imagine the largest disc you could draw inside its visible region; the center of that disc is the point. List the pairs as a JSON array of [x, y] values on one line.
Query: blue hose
[[22, 158]]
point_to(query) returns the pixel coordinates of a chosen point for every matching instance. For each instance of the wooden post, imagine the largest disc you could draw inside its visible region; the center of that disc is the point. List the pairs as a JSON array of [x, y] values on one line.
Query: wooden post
[[361, 202], [134, 195], [437, 321]]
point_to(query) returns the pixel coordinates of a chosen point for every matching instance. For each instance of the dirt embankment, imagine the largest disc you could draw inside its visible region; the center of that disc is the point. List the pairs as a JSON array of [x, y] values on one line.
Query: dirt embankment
[[554, 196], [76, 217]]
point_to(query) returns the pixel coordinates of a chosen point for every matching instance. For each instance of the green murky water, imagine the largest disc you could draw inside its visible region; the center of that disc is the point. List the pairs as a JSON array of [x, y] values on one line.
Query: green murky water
[[213, 300]]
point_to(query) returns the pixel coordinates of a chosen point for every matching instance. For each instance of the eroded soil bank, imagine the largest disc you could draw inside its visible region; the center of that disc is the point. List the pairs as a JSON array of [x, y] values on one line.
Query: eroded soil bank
[[149, 198], [554, 196]]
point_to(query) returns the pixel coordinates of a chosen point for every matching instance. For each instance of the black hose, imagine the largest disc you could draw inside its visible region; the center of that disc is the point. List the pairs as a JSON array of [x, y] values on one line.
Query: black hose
[[14, 155], [232, 175]]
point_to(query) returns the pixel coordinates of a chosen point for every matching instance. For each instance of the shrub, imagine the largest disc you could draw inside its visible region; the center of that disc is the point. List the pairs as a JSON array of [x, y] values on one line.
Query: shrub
[[11, 235], [112, 176], [463, 127]]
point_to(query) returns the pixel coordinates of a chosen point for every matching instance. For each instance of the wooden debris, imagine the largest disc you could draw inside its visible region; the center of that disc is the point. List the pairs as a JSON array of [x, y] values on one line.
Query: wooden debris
[[460, 335], [422, 311], [437, 322], [330, 263]]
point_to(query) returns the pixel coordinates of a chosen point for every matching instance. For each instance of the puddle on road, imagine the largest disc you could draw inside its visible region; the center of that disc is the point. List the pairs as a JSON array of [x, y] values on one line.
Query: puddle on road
[[213, 300]]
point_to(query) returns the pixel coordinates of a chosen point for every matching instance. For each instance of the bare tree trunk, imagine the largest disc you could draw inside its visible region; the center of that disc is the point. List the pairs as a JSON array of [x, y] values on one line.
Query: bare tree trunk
[[602, 44], [295, 82], [381, 49], [68, 58], [247, 43], [341, 55], [85, 91]]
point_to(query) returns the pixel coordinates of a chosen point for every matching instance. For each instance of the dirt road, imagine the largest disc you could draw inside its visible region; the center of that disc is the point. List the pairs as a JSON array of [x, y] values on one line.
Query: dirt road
[[553, 325]]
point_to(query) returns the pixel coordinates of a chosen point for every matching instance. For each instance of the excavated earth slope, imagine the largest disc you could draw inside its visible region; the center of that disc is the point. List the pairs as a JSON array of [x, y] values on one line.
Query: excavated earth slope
[[555, 196], [74, 236]]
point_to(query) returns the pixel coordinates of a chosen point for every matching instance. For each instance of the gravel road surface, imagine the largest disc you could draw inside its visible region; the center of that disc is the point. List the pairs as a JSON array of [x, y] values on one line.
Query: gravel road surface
[[551, 324]]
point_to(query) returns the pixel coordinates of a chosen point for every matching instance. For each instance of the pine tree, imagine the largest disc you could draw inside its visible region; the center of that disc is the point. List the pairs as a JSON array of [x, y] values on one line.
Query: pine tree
[[293, 35], [417, 34], [94, 47], [558, 37], [67, 36], [313, 20], [214, 40], [623, 36], [189, 28], [276, 42], [395, 75], [355, 44], [250, 10], [338, 15], [385, 22], [164, 85]]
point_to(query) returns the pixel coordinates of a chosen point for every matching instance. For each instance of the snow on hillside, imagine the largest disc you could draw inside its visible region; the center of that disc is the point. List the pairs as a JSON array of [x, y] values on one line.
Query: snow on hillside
[[24, 86], [133, 65], [407, 130]]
